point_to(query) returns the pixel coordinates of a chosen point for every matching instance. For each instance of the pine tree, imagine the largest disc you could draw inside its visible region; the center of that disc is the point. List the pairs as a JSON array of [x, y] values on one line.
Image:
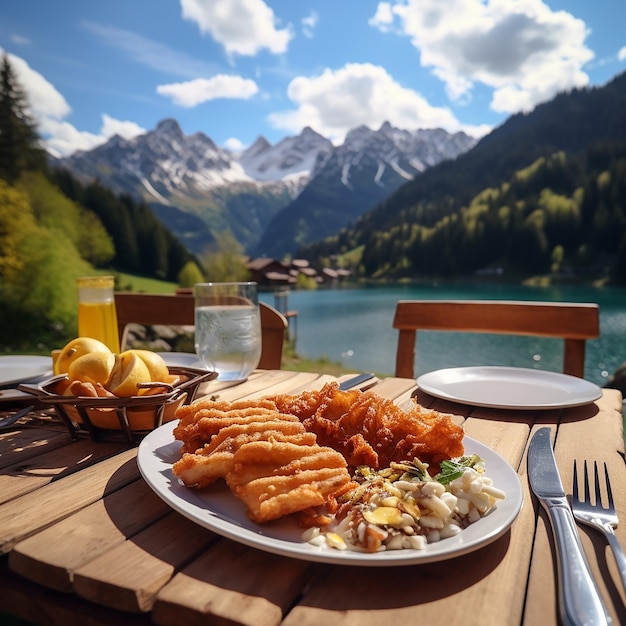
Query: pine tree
[[19, 141]]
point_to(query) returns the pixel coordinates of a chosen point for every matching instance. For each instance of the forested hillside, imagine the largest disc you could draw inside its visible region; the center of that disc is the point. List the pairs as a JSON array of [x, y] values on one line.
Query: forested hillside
[[142, 245], [502, 204], [561, 215], [53, 229]]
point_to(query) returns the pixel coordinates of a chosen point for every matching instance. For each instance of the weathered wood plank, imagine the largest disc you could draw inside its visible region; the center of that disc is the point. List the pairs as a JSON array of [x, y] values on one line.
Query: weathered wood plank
[[38, 509]]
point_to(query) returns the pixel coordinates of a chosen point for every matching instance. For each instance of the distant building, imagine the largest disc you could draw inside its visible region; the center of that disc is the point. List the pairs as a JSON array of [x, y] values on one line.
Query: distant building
[[265, 271], [330, 274], [272, 273]]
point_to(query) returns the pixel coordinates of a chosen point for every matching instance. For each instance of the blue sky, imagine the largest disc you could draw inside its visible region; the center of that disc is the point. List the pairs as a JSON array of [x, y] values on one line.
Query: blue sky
[[237, 69]]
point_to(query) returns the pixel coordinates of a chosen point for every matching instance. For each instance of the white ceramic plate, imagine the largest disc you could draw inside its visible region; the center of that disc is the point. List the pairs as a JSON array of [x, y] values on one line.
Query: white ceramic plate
[[16, 369], [509, 387], [181, 359], [217, 509]]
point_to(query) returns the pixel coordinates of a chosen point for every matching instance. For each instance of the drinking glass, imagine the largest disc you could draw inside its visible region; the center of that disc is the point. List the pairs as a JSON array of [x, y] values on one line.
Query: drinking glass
[[228, 328], [97, 316]]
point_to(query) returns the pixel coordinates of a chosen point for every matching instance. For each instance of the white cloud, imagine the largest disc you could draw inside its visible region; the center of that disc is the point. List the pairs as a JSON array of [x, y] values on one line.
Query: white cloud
[[621, 55], [152, 54], [242, 27], [44, 100], [309, 23], [194, 92], [338, 100], [62, 138], [19, 40], [523, 50], [234, 144], [49, 108], [125, 129], [383, 18]]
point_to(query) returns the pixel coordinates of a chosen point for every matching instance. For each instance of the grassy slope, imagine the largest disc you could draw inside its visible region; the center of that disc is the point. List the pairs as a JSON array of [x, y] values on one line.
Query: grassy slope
[[128, 282]]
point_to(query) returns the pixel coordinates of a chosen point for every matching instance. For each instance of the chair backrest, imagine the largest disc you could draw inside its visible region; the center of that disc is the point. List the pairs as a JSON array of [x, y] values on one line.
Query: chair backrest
[[572, 322], [178, 310]]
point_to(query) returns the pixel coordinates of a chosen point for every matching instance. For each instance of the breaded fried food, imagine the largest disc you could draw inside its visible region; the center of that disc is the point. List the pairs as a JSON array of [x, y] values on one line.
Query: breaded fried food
[[189, 412], [277, 423], [216, 430], [369, 430], [215, 460], [198, 430], [275, 478], [291, 454]]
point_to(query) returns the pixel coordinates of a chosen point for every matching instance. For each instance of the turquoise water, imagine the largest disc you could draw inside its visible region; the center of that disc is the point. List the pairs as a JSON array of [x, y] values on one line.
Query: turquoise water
[[353, 326]]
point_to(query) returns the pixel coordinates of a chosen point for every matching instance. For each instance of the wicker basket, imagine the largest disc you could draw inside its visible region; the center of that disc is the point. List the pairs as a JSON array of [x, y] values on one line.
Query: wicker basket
[[114, 418]]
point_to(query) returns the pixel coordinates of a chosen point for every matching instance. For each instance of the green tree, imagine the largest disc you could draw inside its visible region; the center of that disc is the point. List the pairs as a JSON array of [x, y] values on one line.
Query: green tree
[[38, 268], [16, 223], [53, 210], [556, 259], [19, 141], [142, 244], [226, 261], [190, 275]]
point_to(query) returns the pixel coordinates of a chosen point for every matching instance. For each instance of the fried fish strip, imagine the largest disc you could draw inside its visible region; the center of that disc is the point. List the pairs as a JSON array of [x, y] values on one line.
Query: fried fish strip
[[210, 421], [275, 478], [219, 429], [284, 424], [189, 412], [210, 463]]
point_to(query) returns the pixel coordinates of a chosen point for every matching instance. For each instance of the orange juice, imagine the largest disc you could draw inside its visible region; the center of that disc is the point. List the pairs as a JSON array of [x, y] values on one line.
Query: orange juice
[[97, 316]]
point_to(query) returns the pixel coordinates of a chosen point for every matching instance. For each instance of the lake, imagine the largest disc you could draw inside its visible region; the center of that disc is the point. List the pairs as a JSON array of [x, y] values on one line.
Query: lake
[[353, 326]]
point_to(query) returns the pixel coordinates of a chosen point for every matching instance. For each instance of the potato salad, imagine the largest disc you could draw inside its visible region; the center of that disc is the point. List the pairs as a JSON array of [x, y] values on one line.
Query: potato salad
[[404, 507]]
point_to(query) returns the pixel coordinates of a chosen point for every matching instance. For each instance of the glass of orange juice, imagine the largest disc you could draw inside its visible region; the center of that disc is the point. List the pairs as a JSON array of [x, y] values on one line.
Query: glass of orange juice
[[97, 316]]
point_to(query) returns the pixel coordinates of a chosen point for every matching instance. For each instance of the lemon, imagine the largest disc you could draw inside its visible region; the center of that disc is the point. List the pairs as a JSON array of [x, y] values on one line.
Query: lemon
[[127, 373], [75, 349], [93, 367], [159, 372]]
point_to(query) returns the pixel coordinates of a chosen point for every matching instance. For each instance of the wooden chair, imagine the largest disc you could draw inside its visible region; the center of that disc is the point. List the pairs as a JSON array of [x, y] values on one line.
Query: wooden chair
[[178, 310], [572, 322]]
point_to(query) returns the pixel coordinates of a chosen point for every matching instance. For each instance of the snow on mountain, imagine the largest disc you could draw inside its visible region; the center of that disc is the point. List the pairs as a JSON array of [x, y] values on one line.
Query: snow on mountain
[[289, 158], [165, 161], [367, 168], [406, 153], [244, 191]]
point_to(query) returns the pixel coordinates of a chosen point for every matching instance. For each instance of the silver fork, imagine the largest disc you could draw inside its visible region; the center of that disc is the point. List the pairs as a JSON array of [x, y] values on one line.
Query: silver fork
[[596, 515]]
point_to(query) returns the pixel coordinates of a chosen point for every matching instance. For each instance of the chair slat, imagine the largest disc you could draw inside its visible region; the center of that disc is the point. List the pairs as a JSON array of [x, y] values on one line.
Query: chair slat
[[178, 310], [572, 322]]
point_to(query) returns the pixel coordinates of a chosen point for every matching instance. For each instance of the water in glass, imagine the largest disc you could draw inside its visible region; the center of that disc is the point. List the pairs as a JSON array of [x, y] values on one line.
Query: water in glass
[[228, 339]]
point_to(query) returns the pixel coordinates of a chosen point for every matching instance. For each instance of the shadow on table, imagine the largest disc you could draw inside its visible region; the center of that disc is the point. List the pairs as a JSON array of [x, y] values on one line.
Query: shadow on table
[[349, 588]]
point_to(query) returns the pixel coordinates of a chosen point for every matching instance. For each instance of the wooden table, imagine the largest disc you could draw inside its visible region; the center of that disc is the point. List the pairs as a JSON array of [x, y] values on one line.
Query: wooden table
[[85, 541]]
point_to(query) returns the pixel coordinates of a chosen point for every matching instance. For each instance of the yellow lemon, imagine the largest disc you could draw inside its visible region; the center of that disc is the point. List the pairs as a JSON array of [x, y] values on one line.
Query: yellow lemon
[[157, 367], [74, 349], [128, 372], [93, 367]]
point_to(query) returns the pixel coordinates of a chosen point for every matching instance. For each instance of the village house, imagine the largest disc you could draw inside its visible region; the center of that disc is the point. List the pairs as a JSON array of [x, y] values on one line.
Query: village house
[[269, 272]]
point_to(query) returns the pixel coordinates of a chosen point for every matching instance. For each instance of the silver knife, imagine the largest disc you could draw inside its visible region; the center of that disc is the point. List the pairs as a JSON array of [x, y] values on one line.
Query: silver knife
[[354, 381], [579, 598]]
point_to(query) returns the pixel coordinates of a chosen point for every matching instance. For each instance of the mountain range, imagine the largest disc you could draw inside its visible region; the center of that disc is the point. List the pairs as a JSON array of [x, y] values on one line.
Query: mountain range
[[458, 215], [272, 198]]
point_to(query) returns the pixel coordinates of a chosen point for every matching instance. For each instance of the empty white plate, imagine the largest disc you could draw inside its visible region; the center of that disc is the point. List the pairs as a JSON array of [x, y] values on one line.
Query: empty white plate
[[508, 387], [181, 359], [16, 369]]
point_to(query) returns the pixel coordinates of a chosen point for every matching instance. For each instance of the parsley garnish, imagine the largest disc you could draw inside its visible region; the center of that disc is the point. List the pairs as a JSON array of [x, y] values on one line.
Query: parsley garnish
[[454, 468]]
